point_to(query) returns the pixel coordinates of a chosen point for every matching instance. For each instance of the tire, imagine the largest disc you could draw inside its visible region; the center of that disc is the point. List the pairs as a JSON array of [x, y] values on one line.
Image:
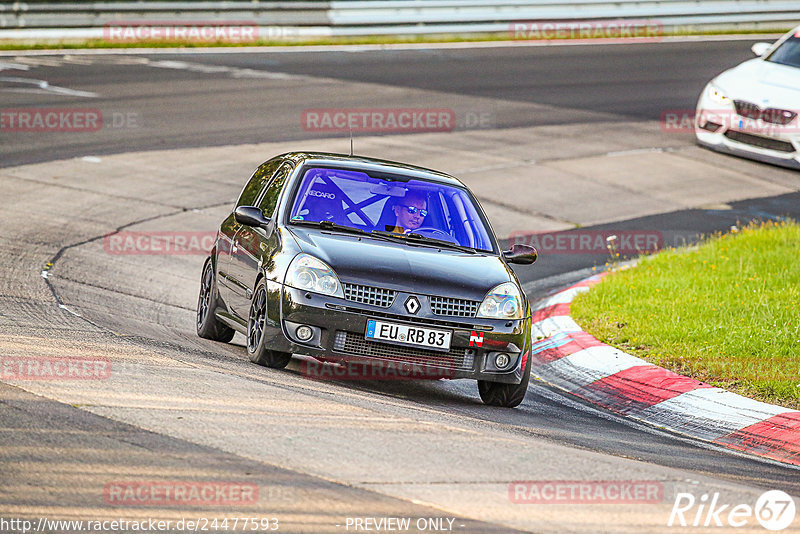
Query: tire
[[256, 324], [208, 326], [505, 395]]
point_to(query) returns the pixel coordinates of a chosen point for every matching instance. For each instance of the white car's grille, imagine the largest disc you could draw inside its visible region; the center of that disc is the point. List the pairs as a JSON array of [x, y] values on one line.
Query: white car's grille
[[759, 141], [770, 115]]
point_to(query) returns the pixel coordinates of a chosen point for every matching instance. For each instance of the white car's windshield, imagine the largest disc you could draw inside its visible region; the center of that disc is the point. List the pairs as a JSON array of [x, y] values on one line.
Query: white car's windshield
[[788, 53], [398, 205]]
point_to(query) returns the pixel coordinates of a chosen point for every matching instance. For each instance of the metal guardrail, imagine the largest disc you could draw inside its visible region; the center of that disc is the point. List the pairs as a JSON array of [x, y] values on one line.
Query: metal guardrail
[[468, 16], [94, 14], [364, 17]]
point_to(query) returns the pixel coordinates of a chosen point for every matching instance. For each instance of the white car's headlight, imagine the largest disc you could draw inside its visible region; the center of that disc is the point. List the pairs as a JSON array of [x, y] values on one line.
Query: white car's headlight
[[717, 95], [502, 302], [311, 274]]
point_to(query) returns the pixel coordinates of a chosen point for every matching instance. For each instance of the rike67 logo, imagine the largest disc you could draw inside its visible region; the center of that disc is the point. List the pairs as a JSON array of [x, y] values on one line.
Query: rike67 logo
[[774, 510]]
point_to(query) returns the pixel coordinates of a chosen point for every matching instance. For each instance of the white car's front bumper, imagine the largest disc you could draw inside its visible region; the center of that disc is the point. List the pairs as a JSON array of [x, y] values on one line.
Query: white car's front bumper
[[719, 127]]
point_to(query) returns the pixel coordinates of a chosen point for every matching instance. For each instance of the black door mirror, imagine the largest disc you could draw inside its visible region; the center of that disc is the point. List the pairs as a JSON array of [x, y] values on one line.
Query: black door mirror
[[251, 216], [522, 254]]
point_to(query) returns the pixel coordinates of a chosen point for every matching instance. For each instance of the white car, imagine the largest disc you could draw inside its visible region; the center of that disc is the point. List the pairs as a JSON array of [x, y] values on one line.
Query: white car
[[752, 109]]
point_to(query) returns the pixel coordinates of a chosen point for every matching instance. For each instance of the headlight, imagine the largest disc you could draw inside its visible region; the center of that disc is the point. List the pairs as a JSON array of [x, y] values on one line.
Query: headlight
[[717, 95], [310, 274], [502, 302]]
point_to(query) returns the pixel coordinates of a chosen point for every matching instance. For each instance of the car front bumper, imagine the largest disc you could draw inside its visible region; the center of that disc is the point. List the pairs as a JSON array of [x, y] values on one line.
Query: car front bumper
[[340, 325], [720, 128]]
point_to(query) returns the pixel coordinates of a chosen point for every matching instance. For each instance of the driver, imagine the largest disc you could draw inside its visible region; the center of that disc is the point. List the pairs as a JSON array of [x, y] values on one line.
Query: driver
[[410, 211]]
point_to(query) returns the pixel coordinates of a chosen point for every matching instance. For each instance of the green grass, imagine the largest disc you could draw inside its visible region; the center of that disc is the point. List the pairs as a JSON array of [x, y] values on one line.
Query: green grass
[[100, 43], [367, 39], [726, 312]]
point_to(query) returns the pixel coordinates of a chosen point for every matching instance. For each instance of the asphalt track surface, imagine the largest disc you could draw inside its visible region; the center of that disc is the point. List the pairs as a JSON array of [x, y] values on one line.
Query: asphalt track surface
[[186, 107], [216, 100]]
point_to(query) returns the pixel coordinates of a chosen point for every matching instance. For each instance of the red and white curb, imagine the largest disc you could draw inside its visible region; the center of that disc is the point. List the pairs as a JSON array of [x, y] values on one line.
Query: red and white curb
[[573, 360]]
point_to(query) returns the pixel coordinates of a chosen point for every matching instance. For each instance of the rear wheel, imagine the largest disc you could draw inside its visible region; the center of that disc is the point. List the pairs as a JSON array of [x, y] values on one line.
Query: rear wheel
[[506, 395], [255, 332], [208, 326]]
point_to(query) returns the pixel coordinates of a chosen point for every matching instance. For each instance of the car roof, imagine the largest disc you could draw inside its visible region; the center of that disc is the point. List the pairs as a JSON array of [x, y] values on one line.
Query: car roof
[[371, 164]]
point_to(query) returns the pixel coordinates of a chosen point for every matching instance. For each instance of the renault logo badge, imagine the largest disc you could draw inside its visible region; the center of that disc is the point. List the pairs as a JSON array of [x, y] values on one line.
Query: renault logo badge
[[412, 305]]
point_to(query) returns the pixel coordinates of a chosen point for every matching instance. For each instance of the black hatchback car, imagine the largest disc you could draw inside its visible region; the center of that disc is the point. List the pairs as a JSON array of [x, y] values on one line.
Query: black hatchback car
[[352, 259]]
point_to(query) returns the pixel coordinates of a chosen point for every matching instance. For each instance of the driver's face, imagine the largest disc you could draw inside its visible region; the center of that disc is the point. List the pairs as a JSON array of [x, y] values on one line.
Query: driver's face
[[406, 220]]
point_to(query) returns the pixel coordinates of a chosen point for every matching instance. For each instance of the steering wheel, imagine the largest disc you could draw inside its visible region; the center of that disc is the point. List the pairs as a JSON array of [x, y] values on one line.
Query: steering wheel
[[434, 231]]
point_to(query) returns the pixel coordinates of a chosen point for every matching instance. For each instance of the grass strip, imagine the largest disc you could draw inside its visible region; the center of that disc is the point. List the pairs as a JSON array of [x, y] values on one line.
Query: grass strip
[[76, 44], [726, 312]]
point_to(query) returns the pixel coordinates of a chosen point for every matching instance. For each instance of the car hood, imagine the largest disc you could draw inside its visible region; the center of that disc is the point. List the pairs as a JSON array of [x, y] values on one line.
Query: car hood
[[763, 83], [418, 269]]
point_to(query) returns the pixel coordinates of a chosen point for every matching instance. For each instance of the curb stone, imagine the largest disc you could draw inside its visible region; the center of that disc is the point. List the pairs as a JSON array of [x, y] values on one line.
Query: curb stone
[[573, 360]]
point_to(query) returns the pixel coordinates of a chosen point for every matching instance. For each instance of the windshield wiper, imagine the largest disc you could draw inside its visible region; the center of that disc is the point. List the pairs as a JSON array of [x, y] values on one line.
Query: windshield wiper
[[440, 242], [422, 239], [330, 225], [380, 234]]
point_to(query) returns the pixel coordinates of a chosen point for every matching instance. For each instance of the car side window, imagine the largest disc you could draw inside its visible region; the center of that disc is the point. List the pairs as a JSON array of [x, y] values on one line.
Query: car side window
[[257, 182], [269, 199]]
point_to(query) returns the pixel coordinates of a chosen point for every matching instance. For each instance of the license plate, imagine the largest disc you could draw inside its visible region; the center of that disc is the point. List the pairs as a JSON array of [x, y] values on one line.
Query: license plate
[[402, 334]]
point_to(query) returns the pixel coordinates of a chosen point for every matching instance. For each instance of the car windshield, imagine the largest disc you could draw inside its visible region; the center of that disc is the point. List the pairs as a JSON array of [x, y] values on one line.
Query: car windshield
[[788, 53], [390, 204]]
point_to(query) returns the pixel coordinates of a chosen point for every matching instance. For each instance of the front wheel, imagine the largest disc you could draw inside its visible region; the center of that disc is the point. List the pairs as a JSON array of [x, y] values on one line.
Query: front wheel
[[505, 395], [255, 332], [208, 326]]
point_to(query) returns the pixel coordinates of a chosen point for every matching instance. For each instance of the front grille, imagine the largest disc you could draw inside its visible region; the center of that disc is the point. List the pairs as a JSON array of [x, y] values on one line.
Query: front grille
[[374, 296], [747, 109], [761, 142], [771, 115], [778, 116], [357, 345], [453, 307]]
